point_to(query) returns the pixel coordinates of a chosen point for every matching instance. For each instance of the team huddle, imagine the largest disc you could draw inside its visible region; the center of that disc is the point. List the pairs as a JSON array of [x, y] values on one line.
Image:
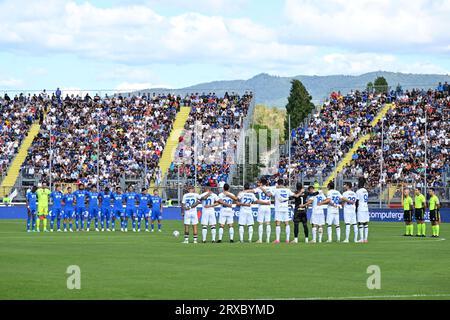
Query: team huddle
[[84, 206], [354, 204]]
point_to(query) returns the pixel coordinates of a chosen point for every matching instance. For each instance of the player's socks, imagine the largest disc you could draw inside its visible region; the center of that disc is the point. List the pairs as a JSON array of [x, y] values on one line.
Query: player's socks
[[186, 237], [70, 225], [366, 232], [330, 233], [320, 234], [33, 223], [96, 223], [268, 232], [361, 232], [38, 223], [146, 224], [204, 233], [260, 232], [231, 231], [28, 223], [437, 229], [134, 223], [153, 226], [65, 225], [139, 224], [195, 238], [288, 232], [52, 223], [250, 233], [347, 232], [58, 223], [45, 223], [241, 233], [102, 223], [159, 226], [314, 234], [213, 232], [407, 230], [76, 223], [411, 229], [277, 233], [424, 229], [220, 233], [338, 233]]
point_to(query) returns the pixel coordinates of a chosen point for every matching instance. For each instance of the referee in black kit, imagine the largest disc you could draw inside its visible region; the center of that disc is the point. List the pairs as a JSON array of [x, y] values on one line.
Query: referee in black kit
[[300, 210]]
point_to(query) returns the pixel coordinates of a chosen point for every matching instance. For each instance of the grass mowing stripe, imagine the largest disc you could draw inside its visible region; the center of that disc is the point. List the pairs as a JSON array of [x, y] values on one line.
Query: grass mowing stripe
[[157, 266]]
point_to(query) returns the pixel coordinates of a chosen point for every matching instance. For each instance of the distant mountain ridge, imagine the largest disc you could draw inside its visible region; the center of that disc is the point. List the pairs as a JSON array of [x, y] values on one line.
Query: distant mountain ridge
[[274, 90]]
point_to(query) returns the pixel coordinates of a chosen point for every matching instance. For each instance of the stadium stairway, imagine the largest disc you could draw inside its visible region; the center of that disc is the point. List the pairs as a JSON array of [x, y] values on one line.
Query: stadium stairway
[[348, 157], [14, 169], [172, 143]]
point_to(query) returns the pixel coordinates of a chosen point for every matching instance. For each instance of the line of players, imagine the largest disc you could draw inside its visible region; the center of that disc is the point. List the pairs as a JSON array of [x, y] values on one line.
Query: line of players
[[355, 205], [84, 206]]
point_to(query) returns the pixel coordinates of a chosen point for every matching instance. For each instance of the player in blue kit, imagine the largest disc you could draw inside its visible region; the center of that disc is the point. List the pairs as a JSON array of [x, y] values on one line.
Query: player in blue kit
[[57, 210], [80, 207], [118, 212], [69, 211], [145, 203], [156, 210], [106, 210], [94, 209], [32, 209], [130, 208]]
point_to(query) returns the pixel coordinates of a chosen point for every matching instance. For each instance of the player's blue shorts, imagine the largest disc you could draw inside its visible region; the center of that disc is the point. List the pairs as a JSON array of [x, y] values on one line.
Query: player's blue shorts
[[56, 212], [130, 212], [118, 213], [94, 213], [156, 215], [106, 212], [69, 213], [80, 212], [143, 212]]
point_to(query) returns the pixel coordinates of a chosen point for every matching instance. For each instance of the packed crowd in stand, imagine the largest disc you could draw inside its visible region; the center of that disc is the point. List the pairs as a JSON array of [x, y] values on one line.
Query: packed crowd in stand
[[17, 114], [126, 134], [210, 138], [404, 141], [331, 132]]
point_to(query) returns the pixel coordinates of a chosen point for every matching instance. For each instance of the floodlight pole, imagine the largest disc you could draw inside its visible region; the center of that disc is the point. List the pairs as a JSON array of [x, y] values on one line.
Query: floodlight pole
[[289, 152], [426, 147], [51, 154], [382, 158]]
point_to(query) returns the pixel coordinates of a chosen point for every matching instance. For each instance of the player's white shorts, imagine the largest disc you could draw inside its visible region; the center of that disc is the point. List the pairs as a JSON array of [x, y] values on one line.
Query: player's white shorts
[[363, 216], [264, 214], [282, 216], [318, 218], [226, 218], [350, 217], [332, 218], [209, 218], [246, 218], [191, 218]]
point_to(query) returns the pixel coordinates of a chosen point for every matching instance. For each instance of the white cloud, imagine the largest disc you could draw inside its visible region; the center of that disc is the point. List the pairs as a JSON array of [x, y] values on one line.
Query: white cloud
[[378, 25], [10, 83], [127, 86]]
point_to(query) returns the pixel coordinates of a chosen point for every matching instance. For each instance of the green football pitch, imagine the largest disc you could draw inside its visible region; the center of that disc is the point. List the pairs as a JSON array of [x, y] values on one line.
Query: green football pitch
[[158, 266]]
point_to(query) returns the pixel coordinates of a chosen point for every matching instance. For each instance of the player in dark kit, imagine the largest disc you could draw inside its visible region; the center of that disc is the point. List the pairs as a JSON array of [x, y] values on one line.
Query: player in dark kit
[[300, 210]]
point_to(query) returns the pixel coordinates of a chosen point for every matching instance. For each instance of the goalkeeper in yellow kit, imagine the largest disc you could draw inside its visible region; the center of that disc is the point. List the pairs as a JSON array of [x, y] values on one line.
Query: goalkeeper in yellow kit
[[42, 197]]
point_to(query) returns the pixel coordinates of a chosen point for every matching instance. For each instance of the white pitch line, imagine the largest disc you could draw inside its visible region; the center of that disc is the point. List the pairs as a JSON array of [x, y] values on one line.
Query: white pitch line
[[367, 297]]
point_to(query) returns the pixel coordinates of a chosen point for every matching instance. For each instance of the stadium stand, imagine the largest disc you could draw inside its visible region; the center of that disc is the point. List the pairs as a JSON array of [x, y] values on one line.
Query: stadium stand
[[404, 142], [126, 132], [318, 145], [217, 122]]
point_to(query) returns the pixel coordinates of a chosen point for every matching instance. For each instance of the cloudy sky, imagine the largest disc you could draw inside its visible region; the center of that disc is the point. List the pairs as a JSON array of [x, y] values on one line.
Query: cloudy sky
[[137, 44]]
